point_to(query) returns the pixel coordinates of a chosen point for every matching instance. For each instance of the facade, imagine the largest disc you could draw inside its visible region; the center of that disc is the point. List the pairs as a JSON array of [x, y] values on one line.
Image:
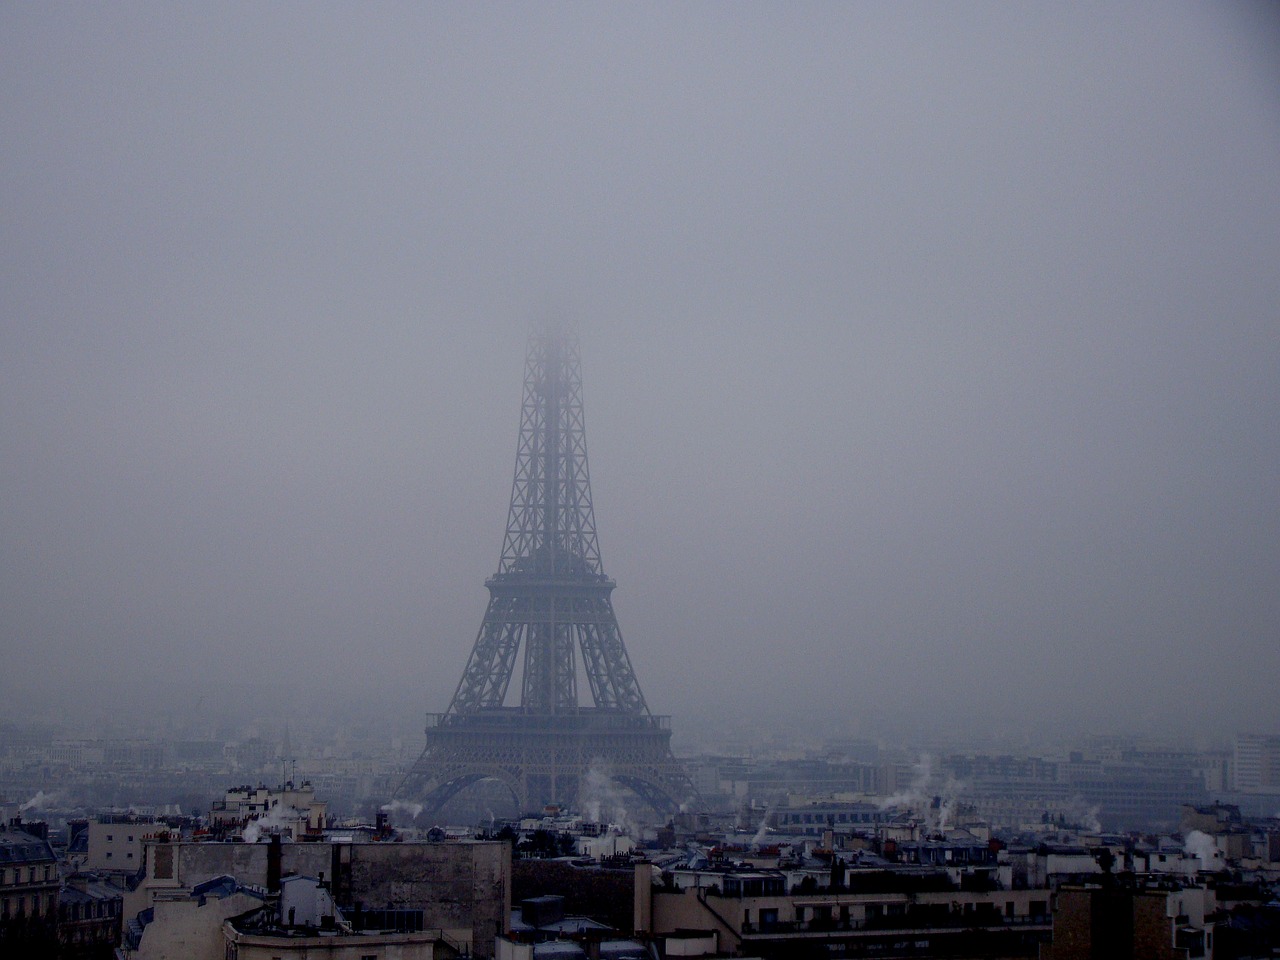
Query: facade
[[279, 945], [115, 842]]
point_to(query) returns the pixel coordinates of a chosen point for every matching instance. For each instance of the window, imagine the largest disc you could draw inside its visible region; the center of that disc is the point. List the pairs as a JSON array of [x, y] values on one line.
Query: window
[[109, 838]]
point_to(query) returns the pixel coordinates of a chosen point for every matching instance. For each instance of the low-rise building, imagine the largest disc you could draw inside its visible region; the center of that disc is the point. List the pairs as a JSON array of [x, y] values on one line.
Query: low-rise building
[[1140, 919], [186, 924], [29, 877], [873, 912], [462, 888], [114, 842], [301, 919], [541, 930], [90, 916]]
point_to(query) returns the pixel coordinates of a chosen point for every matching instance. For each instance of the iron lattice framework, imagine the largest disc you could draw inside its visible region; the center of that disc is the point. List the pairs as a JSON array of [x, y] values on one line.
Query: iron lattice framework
[[551, 598]]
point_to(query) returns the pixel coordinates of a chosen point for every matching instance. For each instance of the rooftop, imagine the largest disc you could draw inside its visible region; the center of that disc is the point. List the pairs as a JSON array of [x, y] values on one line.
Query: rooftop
[[17, 846]]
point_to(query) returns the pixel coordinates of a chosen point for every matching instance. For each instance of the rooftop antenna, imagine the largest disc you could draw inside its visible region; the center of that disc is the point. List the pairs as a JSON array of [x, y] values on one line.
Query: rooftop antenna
[[286, 749]]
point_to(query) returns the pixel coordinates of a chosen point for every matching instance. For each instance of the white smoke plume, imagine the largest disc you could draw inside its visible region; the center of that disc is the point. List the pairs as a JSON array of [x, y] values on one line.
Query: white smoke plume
[[945, 811], [41, 801], [763, 832], [399, 806], [930, 796], [915, 796], [1205, 849], [1082, 815], [277, 816], [601, 800]]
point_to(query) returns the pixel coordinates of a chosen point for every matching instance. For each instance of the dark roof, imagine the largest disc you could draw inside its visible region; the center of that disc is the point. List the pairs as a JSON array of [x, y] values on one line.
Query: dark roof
[[622, 950], [94, 892], [564, 949], [219, 887], [17, 846]]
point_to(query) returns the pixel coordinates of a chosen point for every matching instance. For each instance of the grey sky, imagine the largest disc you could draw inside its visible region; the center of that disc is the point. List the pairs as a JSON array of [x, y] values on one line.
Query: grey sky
[[931, 352]]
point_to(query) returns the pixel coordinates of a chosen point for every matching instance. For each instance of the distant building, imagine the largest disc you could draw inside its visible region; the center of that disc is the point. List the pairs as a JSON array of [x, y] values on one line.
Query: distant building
[[1257, 763], [292, 810], [811, 819]]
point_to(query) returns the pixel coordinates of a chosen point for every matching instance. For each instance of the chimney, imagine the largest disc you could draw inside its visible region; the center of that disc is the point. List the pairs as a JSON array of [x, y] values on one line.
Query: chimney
[[837, 872], [275, 853]]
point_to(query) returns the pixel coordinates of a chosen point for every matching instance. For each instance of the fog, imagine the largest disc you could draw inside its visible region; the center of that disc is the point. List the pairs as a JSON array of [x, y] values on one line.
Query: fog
[[931, 355]]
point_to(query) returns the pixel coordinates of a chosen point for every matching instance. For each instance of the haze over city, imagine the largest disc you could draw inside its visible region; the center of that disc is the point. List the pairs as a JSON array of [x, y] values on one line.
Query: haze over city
[[930, 353]]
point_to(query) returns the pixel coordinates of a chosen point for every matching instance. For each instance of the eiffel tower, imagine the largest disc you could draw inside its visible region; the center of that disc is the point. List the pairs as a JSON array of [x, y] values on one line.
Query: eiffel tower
[[551, 598]]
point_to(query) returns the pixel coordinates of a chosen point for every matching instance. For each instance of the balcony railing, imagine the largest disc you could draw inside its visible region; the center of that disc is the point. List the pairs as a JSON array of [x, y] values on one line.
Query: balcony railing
[[904, 923], [515, 718]]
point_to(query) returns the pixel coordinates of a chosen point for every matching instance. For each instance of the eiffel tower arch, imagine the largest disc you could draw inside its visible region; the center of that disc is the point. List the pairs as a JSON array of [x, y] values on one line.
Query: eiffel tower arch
[[550, 615]]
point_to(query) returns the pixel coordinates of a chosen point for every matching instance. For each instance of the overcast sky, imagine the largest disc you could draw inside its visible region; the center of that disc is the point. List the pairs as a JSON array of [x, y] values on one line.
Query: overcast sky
[[931, 352]]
